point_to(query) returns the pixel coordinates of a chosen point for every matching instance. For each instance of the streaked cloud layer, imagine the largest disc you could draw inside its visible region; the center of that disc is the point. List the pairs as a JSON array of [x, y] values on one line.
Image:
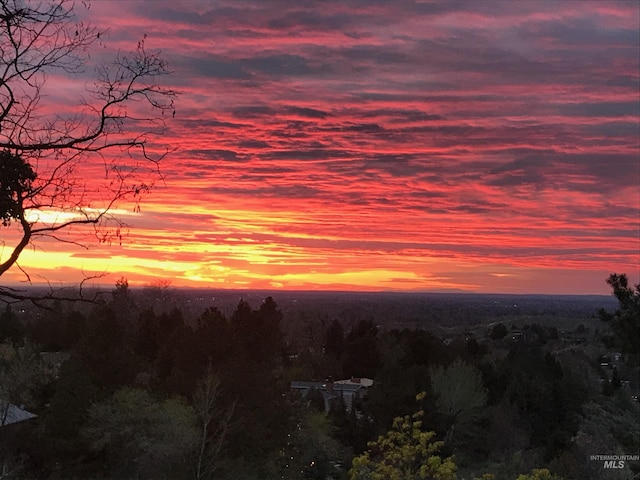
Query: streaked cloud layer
[[485, 146]]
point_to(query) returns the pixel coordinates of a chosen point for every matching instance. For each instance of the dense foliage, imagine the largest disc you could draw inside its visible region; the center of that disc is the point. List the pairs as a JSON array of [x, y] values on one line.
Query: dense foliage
[[138, 386], [625, 321], [405, 452]]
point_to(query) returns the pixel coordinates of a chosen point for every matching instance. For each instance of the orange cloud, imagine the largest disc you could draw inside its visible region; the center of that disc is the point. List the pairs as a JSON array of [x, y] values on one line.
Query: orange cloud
[[408, 147]]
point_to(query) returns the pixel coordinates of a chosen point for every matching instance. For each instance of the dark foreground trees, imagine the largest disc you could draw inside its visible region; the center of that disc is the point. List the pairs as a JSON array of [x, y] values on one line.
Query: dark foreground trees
[[22, 373], [624, 322], [46, 141], [206, 401], [139, 435], [409, 452], [155, 393]]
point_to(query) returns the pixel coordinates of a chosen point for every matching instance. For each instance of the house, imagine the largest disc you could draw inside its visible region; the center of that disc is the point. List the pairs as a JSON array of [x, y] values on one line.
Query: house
[[526, 337], [611, 360], [365, 382], [348, 391], [10, 414], [15, 425]]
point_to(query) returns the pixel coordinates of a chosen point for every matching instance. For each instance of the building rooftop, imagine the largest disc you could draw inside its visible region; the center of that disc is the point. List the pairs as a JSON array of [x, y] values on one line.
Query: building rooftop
[[15, 414]]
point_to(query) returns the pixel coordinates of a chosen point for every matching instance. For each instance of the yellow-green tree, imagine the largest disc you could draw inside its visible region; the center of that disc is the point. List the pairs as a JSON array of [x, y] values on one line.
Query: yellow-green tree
[[536, 474], [458, 388], [406, 452], [539, 474], [459, 392]]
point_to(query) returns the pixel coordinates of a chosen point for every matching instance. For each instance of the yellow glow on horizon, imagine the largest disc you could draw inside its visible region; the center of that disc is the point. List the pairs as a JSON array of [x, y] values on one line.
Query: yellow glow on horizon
[[360, 278], [55, 217], [51, 261], [57, 267], [236, 255]]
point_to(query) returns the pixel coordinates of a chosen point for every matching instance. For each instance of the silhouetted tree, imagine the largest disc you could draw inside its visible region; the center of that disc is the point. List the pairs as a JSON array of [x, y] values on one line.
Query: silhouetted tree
[[42, 150], [548, 400], [123, 303], [269, 320], [624, 322], [106, 351], [362, 355], [498, 331], [75, 389], [334, 340], [144, 341], [58, 328], [250, 378], [11, 328], [422, 348], [615, 379], [213, 337]]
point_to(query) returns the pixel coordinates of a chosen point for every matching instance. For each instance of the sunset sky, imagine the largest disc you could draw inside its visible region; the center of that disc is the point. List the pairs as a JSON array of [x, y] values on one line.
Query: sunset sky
[[382, 145]]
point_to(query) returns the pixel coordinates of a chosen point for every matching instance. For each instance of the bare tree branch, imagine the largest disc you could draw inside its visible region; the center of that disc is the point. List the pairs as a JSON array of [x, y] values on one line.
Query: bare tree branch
[[214, 422], [43, 151]]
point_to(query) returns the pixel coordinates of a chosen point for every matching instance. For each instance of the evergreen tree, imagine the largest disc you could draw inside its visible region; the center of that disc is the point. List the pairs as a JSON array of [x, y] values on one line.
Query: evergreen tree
[[624, 322], [334, 340], [11, 328]]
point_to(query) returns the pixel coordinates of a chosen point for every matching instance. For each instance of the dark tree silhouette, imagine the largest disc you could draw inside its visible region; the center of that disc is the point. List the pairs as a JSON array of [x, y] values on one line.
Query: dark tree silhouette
[[616, 383], [498, 331], [334, 340], [624, 322], [362, 358], [43, 150], [11, 328]]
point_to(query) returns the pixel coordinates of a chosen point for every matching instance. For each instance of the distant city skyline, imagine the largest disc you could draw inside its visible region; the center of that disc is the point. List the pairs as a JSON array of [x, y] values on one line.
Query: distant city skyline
[[487, 147]]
